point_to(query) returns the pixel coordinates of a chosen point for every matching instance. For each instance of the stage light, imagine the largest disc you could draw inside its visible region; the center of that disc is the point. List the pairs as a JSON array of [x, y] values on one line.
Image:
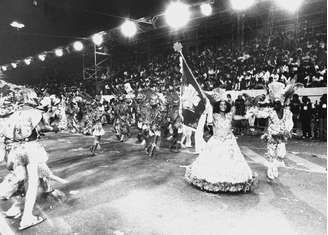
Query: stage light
[[129, 28], [42, 57], [290, 5], [241, 5], [59, 52], [17, 25], [177, 14], [28, 61], [4, 68], [14, 65], [97, 39], [78, 46], [206, 9]]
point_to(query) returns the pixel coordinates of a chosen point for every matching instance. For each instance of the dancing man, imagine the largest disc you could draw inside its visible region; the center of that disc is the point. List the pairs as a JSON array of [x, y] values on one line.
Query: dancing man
[[280, 125]]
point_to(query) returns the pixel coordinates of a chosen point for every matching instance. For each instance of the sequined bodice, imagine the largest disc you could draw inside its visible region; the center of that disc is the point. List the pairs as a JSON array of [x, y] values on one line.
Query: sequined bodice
[[222, 124]]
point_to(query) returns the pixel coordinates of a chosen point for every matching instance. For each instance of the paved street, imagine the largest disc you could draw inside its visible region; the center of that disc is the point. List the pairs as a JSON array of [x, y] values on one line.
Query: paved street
[[121, 191]]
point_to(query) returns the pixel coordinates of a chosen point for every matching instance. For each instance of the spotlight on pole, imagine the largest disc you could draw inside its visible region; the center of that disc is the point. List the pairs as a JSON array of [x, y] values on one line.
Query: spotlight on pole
[[42, 57], [14, 65], [78, 46], [206, 9], [290, 5], [129, 28], [4, 68], [97, 39], [17, 25], [27, 61], [59, 52], [177, 15], [241, 5]]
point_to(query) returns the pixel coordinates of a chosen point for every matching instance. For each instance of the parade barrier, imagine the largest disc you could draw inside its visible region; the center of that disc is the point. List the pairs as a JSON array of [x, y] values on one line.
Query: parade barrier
[[313, 93]]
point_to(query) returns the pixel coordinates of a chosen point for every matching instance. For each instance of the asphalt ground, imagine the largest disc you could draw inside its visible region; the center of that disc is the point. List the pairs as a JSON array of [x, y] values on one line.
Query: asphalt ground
[[122, 191]]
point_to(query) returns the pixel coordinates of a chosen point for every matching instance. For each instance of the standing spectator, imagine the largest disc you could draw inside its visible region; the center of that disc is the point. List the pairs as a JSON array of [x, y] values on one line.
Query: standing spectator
[[229, 99], [322, 113], [240, 110], [295, 108], [305, 117]]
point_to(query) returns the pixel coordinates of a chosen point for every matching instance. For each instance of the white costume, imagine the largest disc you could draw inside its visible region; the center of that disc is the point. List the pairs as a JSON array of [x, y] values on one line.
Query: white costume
[[221, 167]]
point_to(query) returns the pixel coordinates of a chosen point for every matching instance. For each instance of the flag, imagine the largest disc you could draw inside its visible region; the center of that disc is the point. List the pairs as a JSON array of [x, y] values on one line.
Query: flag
[[192, 100]]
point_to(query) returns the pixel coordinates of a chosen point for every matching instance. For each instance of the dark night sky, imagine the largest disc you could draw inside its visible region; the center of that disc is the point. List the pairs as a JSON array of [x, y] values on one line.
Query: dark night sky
[[72, 18]]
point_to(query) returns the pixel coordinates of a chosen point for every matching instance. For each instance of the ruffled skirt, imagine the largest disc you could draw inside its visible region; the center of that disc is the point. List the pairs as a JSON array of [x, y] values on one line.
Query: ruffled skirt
[[221, 167]]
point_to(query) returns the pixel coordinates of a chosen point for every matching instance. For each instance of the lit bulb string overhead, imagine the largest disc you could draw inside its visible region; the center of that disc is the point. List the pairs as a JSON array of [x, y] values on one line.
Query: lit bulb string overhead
[[130, 27]]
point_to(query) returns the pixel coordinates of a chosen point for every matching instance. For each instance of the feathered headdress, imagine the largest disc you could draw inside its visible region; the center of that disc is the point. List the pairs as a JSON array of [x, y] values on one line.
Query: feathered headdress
[[216, 95], [282, 92]]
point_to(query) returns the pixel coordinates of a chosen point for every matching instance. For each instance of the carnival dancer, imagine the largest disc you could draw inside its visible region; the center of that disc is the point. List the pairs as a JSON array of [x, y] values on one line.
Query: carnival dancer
[[122, 120], [152, 116], [98, 132], [280, 124], [221, 167], [173, 127], [26, 158], [62, 114]]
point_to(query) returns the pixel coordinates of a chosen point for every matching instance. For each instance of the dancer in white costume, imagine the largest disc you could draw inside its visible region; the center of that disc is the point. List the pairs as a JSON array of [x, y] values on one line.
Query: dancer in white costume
[[280, 124], [221, 166]]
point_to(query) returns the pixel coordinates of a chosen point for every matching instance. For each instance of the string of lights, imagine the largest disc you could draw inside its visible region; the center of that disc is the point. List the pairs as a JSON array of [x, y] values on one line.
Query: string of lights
[[177, 15]]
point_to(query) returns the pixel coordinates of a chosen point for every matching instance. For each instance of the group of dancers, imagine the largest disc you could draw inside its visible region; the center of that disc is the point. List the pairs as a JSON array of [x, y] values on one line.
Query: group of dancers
[[220, 166]]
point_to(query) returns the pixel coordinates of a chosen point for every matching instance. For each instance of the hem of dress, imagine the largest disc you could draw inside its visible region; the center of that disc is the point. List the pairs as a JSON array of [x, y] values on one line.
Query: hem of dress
[[204, 185]]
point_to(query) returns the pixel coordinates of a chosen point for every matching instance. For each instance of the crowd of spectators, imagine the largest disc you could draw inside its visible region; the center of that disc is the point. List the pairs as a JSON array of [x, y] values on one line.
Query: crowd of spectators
[[232, 67]]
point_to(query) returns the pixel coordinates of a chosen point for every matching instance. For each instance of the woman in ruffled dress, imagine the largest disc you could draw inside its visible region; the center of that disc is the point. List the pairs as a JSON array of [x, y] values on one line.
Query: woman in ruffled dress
[[221, 167]]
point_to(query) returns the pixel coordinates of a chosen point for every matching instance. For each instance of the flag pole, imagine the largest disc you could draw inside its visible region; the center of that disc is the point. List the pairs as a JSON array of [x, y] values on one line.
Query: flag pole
[[178, 48]]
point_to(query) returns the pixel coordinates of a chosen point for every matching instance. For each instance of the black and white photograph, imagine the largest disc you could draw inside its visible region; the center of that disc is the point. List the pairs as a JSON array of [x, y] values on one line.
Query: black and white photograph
[[163, 117]]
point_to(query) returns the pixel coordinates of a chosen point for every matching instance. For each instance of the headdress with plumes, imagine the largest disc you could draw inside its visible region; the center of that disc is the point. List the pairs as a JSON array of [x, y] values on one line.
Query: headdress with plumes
[[216, 95], [279, 91], [12, 97]]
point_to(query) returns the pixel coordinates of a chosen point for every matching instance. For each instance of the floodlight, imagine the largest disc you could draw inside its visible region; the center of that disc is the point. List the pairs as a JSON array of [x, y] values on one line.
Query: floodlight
[[78, 46], [97, 39], [129, 28], [177, 14], [42, 57], [206, 9], [17, 25], [290, 5], [27, 61]]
